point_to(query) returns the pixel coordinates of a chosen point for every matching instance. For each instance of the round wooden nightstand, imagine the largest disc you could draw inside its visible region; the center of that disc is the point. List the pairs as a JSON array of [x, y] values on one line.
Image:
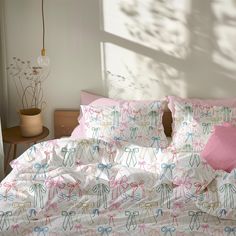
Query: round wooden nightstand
[[13, 137]]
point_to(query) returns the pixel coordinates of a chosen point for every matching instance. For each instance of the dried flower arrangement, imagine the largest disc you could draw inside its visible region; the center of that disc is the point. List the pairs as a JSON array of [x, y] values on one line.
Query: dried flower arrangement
[[28, 82]]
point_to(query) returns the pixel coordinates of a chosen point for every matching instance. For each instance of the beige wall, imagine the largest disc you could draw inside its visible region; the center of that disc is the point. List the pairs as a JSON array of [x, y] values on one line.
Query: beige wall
[[150, 61]]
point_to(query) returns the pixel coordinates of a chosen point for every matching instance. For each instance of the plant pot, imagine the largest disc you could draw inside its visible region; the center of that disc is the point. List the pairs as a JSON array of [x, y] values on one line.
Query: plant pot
[[31, 122]]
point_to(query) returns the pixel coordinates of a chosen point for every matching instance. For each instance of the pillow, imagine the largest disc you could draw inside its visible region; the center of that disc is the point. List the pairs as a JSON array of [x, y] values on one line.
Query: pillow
[[220, 150], [87, 98], [193, 123], [228, 102], [137, 122]]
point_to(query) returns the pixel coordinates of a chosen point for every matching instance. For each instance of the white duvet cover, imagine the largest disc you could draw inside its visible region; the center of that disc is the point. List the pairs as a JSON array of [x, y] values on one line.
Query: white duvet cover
[[89, 187]]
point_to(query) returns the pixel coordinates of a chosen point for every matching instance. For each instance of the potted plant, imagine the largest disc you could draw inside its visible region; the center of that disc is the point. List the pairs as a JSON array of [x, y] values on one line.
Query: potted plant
[[28, 83]]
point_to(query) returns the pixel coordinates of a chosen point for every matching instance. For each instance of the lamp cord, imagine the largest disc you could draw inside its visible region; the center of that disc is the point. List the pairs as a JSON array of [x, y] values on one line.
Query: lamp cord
[[43, 23]]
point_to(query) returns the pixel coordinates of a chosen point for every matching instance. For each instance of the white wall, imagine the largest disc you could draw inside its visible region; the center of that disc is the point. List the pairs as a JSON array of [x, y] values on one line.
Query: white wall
[[152, 66], [71, 43], [1, 154]]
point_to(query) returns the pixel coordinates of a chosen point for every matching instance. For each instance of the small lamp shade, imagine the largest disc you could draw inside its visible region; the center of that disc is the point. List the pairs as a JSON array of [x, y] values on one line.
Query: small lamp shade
[[43, 60]]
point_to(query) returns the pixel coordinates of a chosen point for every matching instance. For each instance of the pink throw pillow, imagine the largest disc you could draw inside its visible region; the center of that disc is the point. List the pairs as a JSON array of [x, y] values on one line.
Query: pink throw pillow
[[220, 150]]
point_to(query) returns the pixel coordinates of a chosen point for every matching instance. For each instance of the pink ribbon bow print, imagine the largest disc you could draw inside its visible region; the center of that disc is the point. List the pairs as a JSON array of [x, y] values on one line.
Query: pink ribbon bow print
[[135, 186], [54, 186], [15, 228], [199, 186], [74, 186], [118, 186], [182, 187], [115, 206], [78, 228], [10, 186], [53, 206], [205, 228], [111, 219]]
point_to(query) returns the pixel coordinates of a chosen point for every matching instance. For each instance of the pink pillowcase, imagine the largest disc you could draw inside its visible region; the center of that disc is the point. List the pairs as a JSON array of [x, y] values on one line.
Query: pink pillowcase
[[86, 98], [220, 150]]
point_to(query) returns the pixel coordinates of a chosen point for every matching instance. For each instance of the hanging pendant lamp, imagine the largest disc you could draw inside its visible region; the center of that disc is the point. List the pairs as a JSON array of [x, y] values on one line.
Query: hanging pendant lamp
[[43, 59]]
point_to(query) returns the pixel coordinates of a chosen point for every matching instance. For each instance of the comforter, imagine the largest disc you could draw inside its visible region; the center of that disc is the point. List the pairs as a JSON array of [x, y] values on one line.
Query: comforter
[[90, 187]]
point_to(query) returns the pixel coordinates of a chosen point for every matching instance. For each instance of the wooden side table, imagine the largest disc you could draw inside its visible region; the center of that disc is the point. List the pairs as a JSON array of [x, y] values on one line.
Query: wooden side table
[[13, 137]]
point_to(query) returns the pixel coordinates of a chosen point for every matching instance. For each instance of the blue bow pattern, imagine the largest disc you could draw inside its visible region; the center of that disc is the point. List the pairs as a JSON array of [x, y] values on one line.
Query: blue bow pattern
[[41, 170], [5, 220], [223, 212], [156, 142], [131, 157], [69, 156], [95, 132], [39, 191], [206, 128], [189, 137], [104, 168], [131, 222], [32, 212], [102, 191], [166, 192], [229, 190], [167, 170], [230, 231], [96, 212], [68, 222], [133, 132], [67, 197], [104, 231], [168, 230], [153, 116], [159, 213], [7, 197], [226, 114], [188, 111], [194, 220], [115, 118], [41, 231], [194, 160]]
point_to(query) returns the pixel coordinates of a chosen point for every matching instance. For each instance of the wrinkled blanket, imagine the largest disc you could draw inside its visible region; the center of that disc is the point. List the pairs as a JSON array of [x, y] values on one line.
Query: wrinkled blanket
[[90, 187]]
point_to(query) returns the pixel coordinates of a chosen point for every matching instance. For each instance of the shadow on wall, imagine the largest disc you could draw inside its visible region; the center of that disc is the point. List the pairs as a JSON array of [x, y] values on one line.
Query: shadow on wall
[[154, 48]]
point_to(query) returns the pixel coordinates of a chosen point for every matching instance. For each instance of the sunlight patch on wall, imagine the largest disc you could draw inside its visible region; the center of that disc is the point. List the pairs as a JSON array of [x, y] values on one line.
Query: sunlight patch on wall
[[129, 75], [158, 24], [225, 31]]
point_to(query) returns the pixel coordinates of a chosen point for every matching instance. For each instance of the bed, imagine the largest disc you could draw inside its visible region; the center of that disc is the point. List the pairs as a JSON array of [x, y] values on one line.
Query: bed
[[92, 186]]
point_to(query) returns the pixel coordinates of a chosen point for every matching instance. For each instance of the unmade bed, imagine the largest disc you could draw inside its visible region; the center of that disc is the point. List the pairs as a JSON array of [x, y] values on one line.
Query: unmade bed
[[101, 186]]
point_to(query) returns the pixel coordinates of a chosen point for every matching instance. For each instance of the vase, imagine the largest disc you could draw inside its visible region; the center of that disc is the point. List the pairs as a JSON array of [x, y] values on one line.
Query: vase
[[31, 122]]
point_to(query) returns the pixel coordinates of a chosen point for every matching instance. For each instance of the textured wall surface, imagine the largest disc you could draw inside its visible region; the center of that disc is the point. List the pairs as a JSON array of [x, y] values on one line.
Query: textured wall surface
[[127, 49]]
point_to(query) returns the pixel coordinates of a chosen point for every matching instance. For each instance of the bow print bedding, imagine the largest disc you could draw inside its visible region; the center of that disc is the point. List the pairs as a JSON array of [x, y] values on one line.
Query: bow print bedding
[[86, 187]]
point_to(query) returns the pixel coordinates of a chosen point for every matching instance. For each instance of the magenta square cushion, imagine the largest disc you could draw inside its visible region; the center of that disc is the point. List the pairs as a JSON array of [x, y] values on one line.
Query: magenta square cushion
[[220, 150]]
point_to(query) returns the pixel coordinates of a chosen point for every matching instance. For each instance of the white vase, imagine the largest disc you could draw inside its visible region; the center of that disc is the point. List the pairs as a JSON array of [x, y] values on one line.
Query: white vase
[[31, 122]]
